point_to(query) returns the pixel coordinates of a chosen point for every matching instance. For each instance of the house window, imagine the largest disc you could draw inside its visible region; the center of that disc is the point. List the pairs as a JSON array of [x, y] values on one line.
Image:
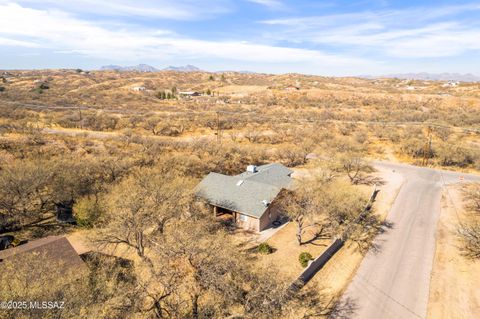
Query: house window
[[243, 218]]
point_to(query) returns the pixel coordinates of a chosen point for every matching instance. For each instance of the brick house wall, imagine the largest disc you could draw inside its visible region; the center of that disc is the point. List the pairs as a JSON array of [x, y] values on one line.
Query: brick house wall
[[247, 222]]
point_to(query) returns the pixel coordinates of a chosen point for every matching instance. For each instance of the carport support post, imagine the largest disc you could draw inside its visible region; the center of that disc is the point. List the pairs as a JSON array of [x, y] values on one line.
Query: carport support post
[[215, 211]]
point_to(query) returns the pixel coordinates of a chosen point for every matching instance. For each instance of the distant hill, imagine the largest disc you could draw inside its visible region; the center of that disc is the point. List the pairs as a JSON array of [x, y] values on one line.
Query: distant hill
[[432, 76], [138, 68], [241, 72], [185, 68]]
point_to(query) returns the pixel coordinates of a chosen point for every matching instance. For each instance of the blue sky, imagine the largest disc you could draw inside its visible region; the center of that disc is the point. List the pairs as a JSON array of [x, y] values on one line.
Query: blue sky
[[274, 36]]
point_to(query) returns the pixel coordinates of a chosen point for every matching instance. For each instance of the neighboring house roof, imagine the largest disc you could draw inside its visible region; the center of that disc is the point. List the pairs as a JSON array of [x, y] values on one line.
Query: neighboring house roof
[[248, 192], [55, 248]]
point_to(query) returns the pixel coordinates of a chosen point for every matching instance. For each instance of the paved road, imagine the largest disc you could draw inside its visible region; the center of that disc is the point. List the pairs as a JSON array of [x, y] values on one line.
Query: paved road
[[393, 283]]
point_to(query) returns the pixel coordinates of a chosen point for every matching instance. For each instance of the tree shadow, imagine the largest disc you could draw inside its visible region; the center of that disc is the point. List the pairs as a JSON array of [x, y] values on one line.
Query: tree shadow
[[316, 237], [343, 308], [384, 227], [370, 180]]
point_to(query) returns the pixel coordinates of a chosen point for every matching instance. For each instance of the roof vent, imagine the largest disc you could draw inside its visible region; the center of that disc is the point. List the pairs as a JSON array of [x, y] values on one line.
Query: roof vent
[[265, 203], [240, 182], [252, 168]]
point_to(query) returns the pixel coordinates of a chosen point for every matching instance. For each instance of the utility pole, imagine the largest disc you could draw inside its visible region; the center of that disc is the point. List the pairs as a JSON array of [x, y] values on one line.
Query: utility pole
[[219, 137], [80, 113], [428, 147]]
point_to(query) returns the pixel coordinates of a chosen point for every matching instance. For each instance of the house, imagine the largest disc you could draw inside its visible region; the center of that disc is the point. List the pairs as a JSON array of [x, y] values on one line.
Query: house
[[249, 198], [54, 250], [451, 84], [138, 88], [189, 93]]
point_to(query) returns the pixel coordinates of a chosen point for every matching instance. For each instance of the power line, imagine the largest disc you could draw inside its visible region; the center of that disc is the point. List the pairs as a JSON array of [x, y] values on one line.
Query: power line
[[257, 115]]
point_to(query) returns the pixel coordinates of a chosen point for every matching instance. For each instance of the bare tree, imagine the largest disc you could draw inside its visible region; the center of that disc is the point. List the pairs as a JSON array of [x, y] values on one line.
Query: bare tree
[[325, 205], [355, 167], [24, 193], [141, 205], [102, 289]]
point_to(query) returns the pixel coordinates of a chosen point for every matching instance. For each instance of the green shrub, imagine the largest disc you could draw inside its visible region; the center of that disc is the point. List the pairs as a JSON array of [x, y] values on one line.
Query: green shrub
[[265, 249], [44, 86], [304, 258], [37, 90], [161, 95], [87, 211]]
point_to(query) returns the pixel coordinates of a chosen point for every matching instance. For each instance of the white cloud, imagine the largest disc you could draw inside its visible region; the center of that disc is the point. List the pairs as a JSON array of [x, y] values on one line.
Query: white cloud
[[17, 43], [166, 9], [409, 33], [61, 32], [272, 4]]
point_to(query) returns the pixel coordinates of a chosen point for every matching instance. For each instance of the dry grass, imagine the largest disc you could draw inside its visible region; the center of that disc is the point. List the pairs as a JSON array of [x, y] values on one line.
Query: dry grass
[[454, 289]]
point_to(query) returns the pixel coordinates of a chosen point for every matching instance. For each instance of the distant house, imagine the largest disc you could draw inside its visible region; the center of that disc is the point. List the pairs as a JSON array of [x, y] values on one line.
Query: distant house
[[451, 84], [292, 88], [138, 88], [189, 93], [248, 198]]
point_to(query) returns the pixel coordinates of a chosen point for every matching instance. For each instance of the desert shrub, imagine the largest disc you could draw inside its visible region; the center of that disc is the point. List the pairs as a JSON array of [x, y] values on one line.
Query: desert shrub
[[44, 86], [87, 211], [2, 88], [449, 155], [472, 197], [100, 122], [470, 235], [413, 147], [264, 249], [37, 90], [68, 120], [361, 136], [304, 258]]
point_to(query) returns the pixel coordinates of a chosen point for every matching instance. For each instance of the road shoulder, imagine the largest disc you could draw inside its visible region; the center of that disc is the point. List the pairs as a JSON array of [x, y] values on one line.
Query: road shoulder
[[454, 291]]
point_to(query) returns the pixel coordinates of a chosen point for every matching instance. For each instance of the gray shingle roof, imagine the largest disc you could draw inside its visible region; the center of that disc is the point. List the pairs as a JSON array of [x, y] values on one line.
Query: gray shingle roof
[[273, 174], [245, 193]]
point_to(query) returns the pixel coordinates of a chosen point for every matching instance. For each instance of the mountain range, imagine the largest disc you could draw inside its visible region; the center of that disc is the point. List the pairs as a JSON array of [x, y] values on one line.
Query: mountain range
[[149, 68], [138, 68], [432, 77], [186, 68]]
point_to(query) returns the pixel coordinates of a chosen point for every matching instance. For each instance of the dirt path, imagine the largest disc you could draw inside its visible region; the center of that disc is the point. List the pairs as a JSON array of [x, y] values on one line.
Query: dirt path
[[454, 290]]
